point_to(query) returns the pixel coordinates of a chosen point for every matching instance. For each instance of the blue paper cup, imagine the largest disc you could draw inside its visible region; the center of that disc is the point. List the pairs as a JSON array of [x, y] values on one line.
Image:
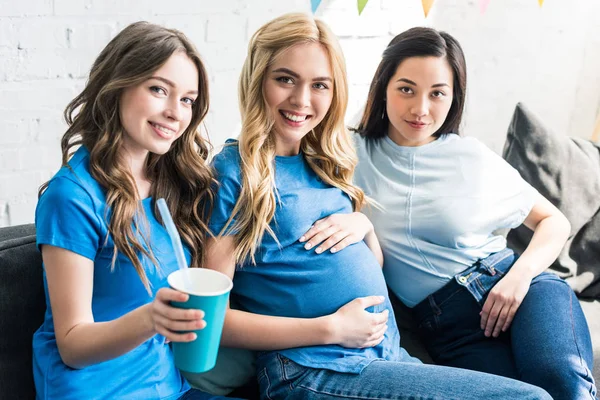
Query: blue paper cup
[[209, 291]]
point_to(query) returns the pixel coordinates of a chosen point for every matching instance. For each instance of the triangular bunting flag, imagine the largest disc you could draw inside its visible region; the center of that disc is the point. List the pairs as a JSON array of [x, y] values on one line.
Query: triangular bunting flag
[[541, 2], [427, 6], [361, 5], [314, 4], [483, 5]]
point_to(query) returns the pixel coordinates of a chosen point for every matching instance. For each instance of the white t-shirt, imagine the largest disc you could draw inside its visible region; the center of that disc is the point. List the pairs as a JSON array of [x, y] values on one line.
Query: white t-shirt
[[441, 203]]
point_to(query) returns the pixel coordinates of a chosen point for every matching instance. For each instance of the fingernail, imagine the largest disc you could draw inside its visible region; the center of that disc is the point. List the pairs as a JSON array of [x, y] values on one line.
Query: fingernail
[[307, 246], [381, 298], [194, 336], [302, 238], [319, 250], [333, 249]]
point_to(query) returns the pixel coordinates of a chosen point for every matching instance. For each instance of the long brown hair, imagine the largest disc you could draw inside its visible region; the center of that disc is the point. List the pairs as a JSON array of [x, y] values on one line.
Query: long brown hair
[[415, 42], [327, 148], [180, 176]]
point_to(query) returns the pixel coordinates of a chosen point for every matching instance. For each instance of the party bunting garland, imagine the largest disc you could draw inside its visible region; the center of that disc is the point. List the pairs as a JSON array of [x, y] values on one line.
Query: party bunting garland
[[361, 5], [483, 5], [314, 4], [427, 4]]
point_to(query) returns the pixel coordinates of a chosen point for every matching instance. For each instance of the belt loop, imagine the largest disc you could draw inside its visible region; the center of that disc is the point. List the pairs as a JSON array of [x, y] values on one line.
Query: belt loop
[[433, 305]]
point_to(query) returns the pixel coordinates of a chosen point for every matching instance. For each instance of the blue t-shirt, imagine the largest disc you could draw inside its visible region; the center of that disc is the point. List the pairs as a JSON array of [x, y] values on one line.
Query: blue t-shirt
[[290, 281], [440, 205], [71, 215]]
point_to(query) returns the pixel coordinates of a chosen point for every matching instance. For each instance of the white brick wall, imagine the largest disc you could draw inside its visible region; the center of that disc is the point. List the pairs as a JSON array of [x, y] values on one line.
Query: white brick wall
[[549, 58]]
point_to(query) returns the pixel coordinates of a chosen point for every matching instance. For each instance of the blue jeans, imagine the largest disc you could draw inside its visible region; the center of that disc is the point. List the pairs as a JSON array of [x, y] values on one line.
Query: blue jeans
[[281, 378], [547, 345], [195, 394]]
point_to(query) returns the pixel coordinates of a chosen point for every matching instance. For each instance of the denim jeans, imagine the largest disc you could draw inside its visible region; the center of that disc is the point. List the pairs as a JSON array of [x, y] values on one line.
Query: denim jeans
[[195, 394], [281, 378], [547, 345]]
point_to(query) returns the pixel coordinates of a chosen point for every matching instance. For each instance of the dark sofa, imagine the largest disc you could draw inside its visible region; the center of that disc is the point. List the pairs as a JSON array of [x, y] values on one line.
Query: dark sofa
[[22, 307]]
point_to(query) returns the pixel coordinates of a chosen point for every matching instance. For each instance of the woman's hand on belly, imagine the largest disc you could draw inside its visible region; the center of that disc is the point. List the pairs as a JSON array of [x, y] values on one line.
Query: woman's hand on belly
[[354, 327], [337, 232]]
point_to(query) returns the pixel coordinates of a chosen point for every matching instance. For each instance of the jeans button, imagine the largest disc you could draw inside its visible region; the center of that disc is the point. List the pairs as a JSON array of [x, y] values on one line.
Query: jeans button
[[462, 279]]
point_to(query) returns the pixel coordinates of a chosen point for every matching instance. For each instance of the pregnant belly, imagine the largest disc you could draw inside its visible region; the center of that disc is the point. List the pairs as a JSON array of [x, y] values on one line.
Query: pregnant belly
[[305, 284]]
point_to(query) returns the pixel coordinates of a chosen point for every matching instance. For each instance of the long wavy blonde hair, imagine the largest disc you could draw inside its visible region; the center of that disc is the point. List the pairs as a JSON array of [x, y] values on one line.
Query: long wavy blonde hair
[[327, 148], [180, 176]]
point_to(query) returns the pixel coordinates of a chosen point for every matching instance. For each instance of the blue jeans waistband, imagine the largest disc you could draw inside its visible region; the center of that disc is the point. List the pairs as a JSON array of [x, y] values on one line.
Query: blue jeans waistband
[[478, 280]]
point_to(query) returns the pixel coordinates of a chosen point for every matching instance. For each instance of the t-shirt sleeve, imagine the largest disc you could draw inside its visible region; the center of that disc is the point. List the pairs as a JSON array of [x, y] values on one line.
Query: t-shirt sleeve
[[66, 217], [226, 167], [514, 197]]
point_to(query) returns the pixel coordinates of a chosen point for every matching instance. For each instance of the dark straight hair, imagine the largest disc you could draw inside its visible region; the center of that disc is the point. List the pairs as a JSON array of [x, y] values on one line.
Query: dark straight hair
[[415, 42]]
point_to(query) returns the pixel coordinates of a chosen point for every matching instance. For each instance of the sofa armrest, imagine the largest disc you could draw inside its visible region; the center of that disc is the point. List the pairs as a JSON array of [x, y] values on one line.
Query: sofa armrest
[[22, 307]]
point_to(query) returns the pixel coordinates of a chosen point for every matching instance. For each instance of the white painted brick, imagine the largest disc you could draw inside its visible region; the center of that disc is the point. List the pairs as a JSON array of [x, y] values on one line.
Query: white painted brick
[[350, 5], [362, 57], [49, 131], [201, 8], [12, 8], [12, 133], [33, 158], [356, 103], [9, 62], [223, 96], [8, 33], [43, 64], [511, 56], [4, 220], [274, 9], [194, 27], [91, 37], [223, 57], [9, 160], [350, 24], [42, 33], [32, 98], [25, 183], [256, 20], [55, 64], [72, 7], [40, 64], [102, 7], [225, 29], [22, 210]]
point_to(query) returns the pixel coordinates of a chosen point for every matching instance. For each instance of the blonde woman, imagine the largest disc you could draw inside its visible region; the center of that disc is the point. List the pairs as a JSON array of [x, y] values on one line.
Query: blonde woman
[[321, 319], [106, 257]]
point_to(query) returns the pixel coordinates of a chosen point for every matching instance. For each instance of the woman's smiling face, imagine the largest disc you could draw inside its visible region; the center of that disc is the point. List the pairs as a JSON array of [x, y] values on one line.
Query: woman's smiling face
[[157, 112], [418, 99], [298, 90]]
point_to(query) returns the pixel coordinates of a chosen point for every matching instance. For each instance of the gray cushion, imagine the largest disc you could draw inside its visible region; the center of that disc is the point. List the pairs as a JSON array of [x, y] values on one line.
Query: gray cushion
[[566, 171], [22, 290]]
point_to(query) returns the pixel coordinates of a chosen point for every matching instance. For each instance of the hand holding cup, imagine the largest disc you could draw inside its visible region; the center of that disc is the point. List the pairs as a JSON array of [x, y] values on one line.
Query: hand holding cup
[[171, 321]]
